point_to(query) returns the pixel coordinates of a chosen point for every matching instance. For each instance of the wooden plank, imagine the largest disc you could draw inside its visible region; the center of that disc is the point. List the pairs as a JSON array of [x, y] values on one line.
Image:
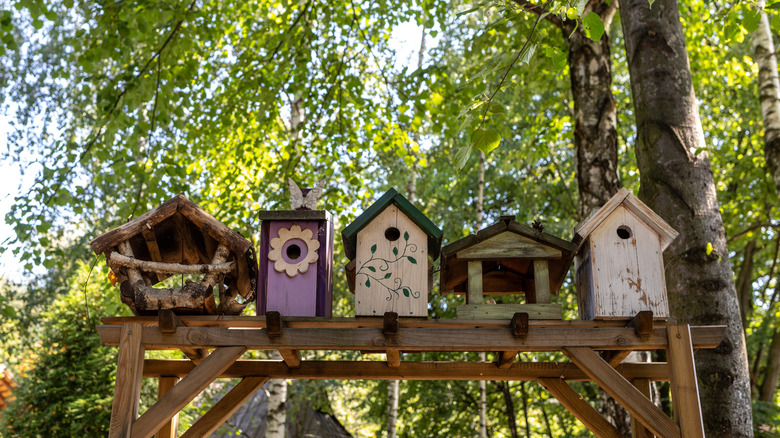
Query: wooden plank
[[623, 391], [127, 390], [474, 295], [541, 281], [393, 358], [685, 392], [188, 250], [507, 311], [291, 357], [412, 339], [614, 357], [508, 245], [505, 359], [169, 429], [190, 386], [407, 370], [519, 324], [391, 275], [637, 430], [294, 215], [573, 401], [124, 232], [225, 407], [214, 228]]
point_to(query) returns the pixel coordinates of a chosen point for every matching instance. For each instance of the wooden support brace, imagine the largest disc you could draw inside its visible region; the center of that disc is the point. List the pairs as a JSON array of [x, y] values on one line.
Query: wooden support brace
[[573, 401], [181, 394], [393, 358], [170, 428], [643, 324], [127, 391], [615, 357], [168, 323], [224, 408], [685, 392], [390, 324], [623, 391], [519, 324], [291, 357], [274, 323], [637, 430], [505, 359]]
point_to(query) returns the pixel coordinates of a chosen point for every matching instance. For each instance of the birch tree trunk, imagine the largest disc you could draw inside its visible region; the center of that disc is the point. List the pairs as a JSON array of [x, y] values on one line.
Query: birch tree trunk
[[678, 185], [392, 407], [768, 92], [482, 357]]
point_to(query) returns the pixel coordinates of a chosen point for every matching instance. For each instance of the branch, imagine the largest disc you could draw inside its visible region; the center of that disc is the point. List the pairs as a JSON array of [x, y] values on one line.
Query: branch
[[118, 260], [539, 10], [753, 227]]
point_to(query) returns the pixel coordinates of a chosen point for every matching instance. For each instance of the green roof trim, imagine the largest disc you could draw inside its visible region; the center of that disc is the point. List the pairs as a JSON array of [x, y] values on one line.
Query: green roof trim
[[349, 234]]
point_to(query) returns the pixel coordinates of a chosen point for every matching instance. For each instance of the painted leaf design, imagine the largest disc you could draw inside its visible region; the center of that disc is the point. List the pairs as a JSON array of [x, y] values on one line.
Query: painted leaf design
[[388, 275], [395, 251], [406, 235], [372, 269], [373, 249], [412, 260], [406, 291], [368, 283]]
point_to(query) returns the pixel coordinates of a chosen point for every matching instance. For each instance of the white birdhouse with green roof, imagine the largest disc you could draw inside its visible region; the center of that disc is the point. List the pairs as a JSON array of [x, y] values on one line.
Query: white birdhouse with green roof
[[389, 246]]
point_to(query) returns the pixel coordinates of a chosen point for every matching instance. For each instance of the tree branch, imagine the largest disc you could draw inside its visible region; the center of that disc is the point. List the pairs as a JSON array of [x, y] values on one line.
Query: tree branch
[[538, 10]]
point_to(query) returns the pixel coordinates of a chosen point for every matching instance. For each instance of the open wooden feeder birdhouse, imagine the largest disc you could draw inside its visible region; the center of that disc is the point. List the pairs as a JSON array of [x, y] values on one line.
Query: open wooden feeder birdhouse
[[389, 246], [619, 263], [179, 238], [502, 259], [296, 257]]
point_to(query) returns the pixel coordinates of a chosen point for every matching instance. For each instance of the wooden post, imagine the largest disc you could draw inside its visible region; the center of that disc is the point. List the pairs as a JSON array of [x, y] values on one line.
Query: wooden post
[[685, 391], [637, 430], [170, 428], [541, 281], [474, 295], [127, 391]]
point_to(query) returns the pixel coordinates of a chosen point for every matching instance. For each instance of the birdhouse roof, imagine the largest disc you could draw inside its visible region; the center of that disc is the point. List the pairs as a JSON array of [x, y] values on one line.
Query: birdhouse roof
[[627, 199], [178, 205], [508, 223], [349, 235]]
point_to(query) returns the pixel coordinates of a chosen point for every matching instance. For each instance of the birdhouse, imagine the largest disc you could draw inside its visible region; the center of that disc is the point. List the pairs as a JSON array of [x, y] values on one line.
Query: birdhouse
[[178, 237], [296, 257], [619, 263], [389, 246], [503, 259]]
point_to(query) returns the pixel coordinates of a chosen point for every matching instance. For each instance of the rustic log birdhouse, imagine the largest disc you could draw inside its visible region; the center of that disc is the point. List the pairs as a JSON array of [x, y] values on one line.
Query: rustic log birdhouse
[[296, 257], [619, 264], [178, 237], [506, 258], [389, 246]]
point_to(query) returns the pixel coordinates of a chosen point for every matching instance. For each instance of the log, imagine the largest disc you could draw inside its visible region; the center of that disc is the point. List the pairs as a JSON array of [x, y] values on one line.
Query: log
[[118, 260], [191, 297]]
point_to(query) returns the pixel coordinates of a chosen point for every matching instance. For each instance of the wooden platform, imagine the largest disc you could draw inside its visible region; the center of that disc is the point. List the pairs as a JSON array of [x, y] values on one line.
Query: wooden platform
[[215, 345]]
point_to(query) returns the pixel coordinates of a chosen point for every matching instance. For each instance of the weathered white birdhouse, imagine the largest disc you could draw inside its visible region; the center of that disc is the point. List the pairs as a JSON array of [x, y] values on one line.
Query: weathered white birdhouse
[[389, 246], [619, 264]]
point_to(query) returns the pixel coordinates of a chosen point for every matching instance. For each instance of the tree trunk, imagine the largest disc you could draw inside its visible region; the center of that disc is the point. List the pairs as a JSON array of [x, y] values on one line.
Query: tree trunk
[[769, 93], [769, 386], [595, 116], [745, 283], [679, 186], [510, 407], [392, 407], [277, 406]]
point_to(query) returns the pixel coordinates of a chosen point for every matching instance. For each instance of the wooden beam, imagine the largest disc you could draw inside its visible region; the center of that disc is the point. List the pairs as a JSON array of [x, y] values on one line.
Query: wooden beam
[[637, 430], [685, 392], [474, 295], [291, 357], [169, 322], [409, 340], [274, 323], [519, 324], [541, 281], [623, 391], [643, 323], [505, 311], [393, 358], [190, 386], [505, 359], [127, 391], [614, 357], [169, 429], [573, 401], [224, 408], [407, 370], [390, 324]]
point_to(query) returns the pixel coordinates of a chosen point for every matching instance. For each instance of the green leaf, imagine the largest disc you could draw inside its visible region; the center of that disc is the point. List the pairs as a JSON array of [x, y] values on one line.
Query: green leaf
[[373, 249], [775, 5], [37, 23], [9, 312], [372, 269], [412, 260], [368, 283], [388, 275], [395, 251], [709, 248], [751, 20], [406, 235], [496, 108], [406, 291], [594, 27], [486, 140], [49, 263]]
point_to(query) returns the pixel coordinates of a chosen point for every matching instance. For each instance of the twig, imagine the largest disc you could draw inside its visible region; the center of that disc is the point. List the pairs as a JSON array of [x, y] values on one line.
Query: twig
[[539, 10]]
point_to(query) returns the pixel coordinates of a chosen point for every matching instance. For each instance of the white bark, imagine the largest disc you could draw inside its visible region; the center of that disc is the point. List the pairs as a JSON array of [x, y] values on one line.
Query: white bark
[[769, 92], [118, 260], [277, 406], [392, 407]]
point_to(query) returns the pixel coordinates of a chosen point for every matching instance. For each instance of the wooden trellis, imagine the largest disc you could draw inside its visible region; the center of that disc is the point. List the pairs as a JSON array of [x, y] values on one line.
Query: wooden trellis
[[596, 350]]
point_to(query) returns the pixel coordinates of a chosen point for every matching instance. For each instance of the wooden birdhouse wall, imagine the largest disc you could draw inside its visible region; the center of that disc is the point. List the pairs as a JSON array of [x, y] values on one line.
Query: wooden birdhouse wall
[[620, 270], [391, 267], [288, 283]]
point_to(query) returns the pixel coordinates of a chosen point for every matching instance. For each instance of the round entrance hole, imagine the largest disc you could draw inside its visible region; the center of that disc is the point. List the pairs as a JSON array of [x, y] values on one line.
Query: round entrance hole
[[293, 252], [624, 232], [392, 234]]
